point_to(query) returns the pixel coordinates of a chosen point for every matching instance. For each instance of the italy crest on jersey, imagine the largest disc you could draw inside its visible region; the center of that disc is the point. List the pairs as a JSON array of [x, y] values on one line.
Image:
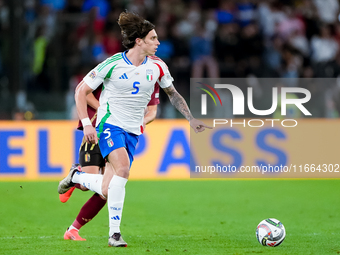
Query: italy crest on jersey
[[149, 74], [110, 142]]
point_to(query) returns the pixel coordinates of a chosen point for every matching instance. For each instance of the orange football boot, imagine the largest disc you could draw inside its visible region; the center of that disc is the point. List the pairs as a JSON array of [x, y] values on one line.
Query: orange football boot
[[66, 196], [73, 235]]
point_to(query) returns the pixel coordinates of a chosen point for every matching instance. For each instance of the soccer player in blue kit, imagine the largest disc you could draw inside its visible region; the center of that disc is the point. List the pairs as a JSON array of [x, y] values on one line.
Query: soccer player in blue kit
[[128, 81]]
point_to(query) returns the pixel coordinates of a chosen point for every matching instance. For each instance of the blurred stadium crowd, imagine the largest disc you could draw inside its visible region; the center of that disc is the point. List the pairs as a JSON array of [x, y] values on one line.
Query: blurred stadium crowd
[[61, 40]]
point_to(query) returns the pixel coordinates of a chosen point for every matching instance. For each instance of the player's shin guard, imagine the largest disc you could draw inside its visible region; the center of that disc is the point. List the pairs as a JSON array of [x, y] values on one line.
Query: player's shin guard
[[90, 181], [115, 202]]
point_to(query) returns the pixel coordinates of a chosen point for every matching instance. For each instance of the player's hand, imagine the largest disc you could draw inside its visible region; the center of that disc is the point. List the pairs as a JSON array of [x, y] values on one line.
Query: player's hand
[[90, 134], [198, 126]]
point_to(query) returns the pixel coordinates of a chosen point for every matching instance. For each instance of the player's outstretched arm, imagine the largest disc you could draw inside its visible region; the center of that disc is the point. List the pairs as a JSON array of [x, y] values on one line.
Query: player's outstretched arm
[[178, 101]]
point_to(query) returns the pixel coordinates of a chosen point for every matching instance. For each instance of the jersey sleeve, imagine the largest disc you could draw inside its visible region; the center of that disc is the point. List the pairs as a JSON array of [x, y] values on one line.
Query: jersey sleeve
[[165, 79], [155, 96], [97, 75]]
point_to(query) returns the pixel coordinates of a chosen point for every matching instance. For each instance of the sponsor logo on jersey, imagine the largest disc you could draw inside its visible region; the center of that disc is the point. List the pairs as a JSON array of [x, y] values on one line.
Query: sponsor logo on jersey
[[124, 76], [149, 74], [110, 142], [93, 75]]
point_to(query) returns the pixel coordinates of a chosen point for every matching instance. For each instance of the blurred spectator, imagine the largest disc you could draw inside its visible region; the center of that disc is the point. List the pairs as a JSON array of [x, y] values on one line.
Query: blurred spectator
[[186, 27], [98, 50], [292, 63], [227, 48], [112, 42], [166, 48], [142, 7], [180, 63], [226, 12], [171, 10], [337, 33], [307, 11], [247, 12], [307, 72], [4, 15], [201, 52], [75, 79], [289, 24], [300, 42], [270, 14], [18, 115], [273, 53], [101, 8], [323, 46], [83, 39], [47, 19], [194, 12], [328, 10], [251, 41], [30, 11], [55, 5], [211, 24], [40, 44]]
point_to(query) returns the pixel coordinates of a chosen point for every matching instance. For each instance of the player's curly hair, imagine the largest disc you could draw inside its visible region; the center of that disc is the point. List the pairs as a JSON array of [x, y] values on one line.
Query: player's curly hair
[[133, 26]]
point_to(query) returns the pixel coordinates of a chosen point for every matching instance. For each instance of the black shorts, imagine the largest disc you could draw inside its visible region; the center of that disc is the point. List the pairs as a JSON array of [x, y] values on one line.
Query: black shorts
[[89, 155]]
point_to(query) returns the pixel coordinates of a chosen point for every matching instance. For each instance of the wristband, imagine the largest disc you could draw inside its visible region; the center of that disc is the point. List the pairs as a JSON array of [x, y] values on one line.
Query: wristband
[[86, 122]]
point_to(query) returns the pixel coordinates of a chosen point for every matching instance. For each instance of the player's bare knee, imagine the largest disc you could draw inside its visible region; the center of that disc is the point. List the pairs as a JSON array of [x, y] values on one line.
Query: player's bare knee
[[123, 172]]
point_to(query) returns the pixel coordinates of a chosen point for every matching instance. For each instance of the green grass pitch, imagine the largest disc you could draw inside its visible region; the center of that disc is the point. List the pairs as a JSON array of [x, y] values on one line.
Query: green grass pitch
[[177, 217]]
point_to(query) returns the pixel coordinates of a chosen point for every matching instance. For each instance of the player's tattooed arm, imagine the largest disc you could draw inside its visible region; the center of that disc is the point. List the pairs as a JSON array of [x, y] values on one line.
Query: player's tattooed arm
[[178, 101]]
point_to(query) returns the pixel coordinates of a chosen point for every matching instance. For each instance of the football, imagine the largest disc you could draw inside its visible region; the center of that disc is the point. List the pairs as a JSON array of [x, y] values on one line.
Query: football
[[270, 232]]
